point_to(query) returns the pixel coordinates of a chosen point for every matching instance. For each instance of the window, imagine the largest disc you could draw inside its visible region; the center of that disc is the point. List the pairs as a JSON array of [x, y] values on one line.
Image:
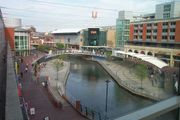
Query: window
[[167, 8], [135, 37], [135, 31], [164, 37], [135, 25], [149, 24], [140, 31], [172, 37], [165, 23], [148, 31], [21, 37], [154, 37], [148, 37], [166, 15], [140, 37], [165, 30], [155, 30], [173, 23], [172, 30], [155, 24], [68, 40], [16, 37]]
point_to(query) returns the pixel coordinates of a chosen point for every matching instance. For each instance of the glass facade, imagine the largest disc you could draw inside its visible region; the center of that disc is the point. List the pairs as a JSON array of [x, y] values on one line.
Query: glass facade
[[21, 41], [122, 32], [94, 40]]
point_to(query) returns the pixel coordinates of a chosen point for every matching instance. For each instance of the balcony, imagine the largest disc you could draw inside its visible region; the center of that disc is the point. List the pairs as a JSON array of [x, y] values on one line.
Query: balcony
[[172, 26], [172, 33]]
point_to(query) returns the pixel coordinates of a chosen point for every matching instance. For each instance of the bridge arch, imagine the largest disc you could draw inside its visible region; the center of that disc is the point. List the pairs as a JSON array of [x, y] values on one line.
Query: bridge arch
[[130, 50], [135, 51], [142, 52], [150, 54]]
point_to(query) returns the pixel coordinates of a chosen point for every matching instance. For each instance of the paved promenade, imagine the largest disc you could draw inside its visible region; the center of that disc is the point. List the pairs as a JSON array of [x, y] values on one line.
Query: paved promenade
[[129, 80], [57, 87], [36, 96]]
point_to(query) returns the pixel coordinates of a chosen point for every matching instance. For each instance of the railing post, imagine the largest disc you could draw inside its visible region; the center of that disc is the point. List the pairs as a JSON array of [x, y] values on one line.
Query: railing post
[[99, 114]]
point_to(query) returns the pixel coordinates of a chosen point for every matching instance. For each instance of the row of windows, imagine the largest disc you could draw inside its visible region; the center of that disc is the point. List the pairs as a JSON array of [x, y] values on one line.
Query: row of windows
[[155, 30], [172, 37], [156, 24]]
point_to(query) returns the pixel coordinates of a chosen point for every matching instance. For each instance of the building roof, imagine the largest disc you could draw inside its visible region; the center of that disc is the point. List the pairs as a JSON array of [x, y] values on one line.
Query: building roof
[[150, 59], [60, 31], [20, 29]]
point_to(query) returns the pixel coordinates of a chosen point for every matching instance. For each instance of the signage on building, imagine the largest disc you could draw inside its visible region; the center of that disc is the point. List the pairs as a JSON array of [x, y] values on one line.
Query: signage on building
[[93, 36]]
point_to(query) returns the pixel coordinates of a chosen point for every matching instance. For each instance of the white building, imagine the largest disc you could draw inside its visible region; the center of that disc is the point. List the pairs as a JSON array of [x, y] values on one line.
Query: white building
[[69, 37], [168, 10]]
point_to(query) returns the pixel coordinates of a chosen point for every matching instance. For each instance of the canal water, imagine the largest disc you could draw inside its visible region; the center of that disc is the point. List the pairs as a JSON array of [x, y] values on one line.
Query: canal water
[[86, 82]]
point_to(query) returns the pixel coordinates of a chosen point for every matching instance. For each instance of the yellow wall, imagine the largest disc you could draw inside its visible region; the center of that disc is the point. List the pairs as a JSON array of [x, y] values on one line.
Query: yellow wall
[[111, 37]]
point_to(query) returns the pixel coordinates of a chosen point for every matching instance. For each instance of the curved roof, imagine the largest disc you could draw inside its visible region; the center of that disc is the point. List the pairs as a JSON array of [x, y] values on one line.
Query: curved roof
[[153, 60], [60, 31]]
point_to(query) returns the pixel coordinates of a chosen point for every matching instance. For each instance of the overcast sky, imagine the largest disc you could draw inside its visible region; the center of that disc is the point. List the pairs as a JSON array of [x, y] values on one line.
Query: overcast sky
[[48, 15]]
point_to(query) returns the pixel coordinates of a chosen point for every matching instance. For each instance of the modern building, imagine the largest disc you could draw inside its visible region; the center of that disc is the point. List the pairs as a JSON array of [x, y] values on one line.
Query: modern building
[[69, 37], [110, 35], [10, 25], [18, 37], [94, 37], [168, 10], [157, 37], [122, 28], [21, 39]]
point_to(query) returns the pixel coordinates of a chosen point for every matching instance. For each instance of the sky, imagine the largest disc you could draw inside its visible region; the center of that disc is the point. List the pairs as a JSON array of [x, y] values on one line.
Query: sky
[[49, 15]]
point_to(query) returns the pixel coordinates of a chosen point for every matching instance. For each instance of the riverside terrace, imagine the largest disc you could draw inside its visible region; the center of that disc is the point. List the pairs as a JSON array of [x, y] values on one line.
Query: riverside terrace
[[129, 81], [133, 83]]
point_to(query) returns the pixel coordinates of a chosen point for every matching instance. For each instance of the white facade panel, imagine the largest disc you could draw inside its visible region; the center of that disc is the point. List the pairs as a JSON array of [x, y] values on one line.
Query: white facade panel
[[12, 22], [123, 15]]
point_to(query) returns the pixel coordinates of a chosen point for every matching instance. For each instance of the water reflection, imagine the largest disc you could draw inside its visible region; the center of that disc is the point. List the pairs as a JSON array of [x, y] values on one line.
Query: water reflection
[[86, 82]]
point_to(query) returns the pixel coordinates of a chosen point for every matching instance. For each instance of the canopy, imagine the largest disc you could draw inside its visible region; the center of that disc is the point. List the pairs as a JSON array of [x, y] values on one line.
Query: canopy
[[153, 60]]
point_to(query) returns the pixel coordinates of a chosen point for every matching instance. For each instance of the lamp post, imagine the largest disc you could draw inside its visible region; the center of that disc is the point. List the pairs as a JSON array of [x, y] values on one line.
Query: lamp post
[[107, 81]]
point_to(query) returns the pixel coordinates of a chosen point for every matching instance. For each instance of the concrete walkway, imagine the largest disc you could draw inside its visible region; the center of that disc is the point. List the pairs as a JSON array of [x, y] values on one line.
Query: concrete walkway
[[56, 87], [36, 96], [127, 79]]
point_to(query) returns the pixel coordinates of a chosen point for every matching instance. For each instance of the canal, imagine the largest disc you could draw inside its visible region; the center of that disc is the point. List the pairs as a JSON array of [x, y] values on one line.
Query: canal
[[86, 83]]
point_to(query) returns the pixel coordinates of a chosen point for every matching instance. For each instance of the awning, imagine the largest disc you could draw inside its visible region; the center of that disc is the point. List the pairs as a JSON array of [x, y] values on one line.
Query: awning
[[153, 60]]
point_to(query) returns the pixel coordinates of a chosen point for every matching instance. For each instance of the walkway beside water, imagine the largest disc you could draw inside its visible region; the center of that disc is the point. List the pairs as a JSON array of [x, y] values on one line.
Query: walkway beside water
[[56, 87], [127, 79], [36, 96]]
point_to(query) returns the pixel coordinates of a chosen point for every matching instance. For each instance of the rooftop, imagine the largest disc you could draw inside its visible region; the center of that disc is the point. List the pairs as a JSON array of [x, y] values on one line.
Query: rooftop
[[72, 30]]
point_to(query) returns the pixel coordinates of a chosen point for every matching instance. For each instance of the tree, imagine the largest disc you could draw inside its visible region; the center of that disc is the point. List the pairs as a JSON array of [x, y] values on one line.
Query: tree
[[59, 45], [44, 48], [141, 72]]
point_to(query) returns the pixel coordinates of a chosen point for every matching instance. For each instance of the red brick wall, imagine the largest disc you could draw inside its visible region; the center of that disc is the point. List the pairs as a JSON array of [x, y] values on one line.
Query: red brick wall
[[159, 32], [144, 32], [177, 32], [131, 33], [9, 36]]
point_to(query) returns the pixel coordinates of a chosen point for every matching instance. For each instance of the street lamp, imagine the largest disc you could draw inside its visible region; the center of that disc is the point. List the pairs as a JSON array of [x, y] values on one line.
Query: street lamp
[[107, 81]]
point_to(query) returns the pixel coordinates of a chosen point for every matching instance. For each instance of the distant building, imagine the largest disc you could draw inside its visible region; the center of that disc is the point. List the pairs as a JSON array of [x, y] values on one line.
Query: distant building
[[22, 39], [168, 10], [69, 37], [110, 35], [159, 36], [10, 25], [122, 28], [94, 37]]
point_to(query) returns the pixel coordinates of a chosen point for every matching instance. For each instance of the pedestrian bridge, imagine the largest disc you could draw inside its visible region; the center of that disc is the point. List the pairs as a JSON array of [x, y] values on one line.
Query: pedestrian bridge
[[155, 110]]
